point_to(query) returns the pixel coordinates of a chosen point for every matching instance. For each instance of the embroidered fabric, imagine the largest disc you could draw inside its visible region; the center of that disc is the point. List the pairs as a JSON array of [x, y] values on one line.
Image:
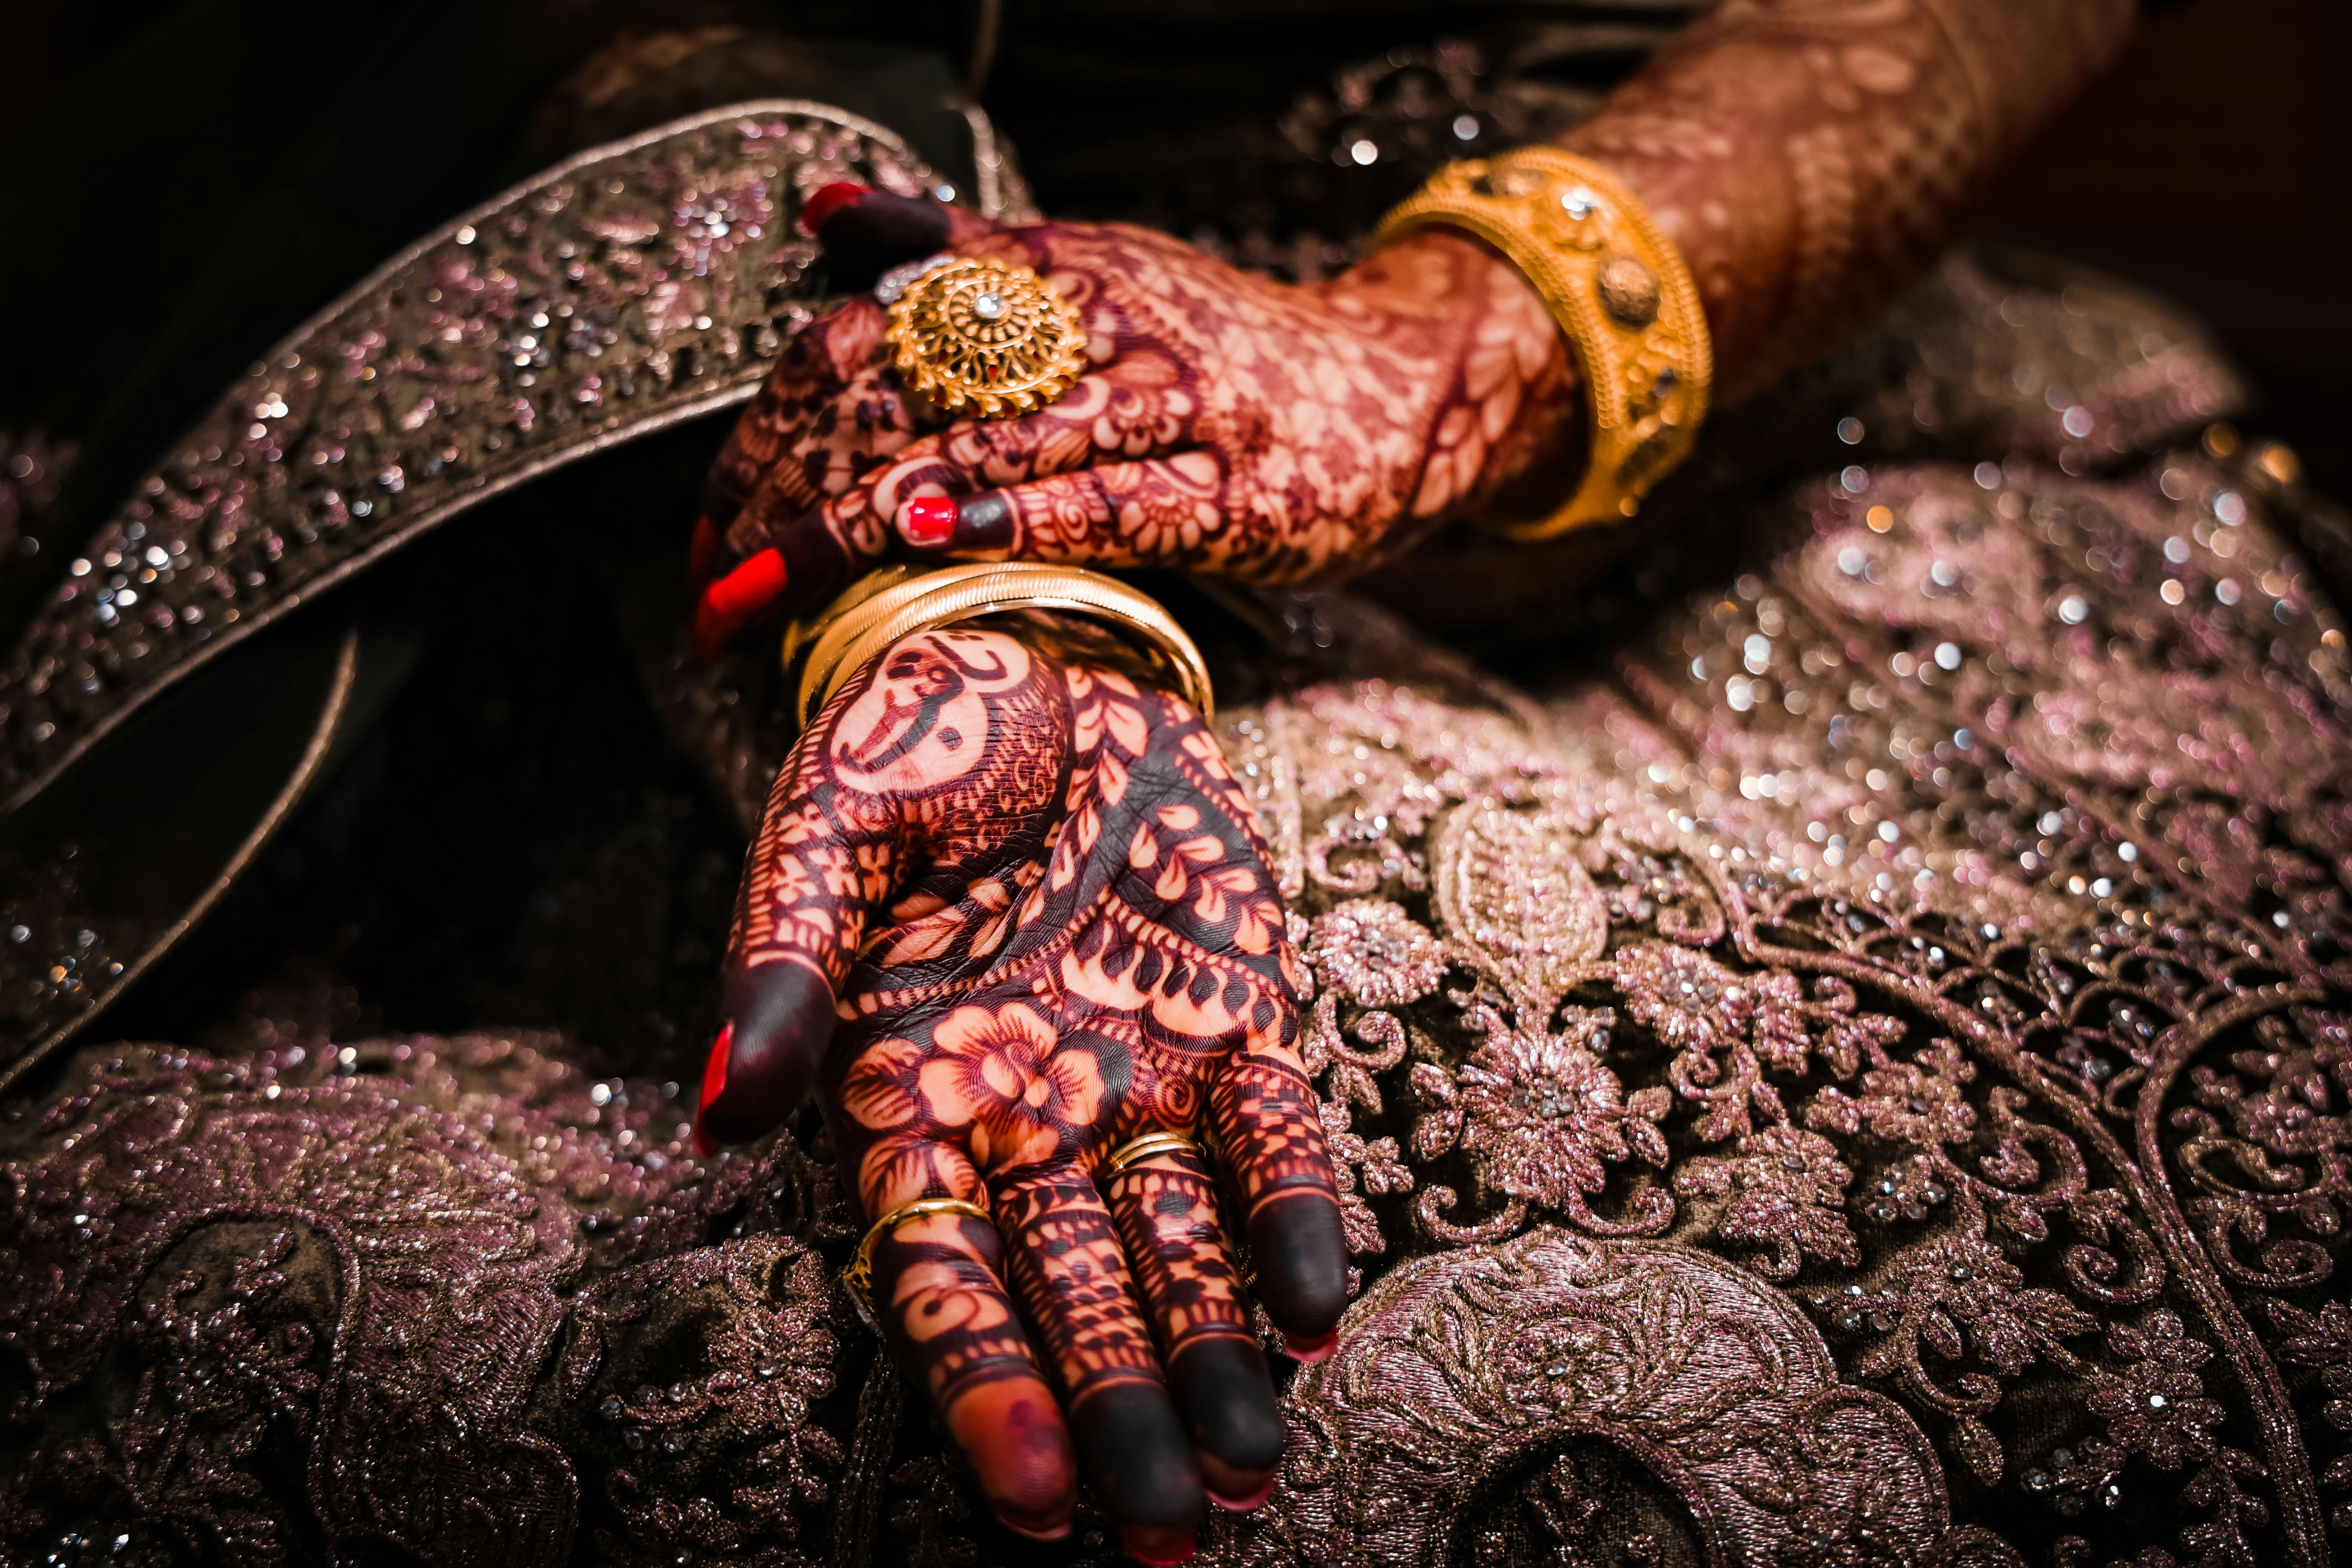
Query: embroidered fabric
[[1860, 1079], [624, 290]]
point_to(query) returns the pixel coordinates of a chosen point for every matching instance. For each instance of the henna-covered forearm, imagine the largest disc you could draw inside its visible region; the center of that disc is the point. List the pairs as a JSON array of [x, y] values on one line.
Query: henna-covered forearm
[[1811, 156]]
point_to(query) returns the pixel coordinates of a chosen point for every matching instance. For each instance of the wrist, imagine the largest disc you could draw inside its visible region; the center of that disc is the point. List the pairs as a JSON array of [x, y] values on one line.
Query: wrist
[[1515, 369]]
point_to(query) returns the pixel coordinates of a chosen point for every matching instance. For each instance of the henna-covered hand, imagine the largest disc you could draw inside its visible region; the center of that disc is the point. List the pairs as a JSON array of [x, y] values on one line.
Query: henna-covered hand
[[1017, 890], [1809, 157], [1226, 422]]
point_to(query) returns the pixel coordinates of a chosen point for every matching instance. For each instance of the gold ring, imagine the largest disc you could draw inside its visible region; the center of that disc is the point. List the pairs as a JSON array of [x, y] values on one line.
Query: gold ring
[[991, 334], [857, 1277], [1137, 1150]]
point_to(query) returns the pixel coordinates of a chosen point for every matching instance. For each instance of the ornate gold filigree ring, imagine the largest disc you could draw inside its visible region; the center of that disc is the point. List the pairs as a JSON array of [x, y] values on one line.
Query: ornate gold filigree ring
[[988, 338]]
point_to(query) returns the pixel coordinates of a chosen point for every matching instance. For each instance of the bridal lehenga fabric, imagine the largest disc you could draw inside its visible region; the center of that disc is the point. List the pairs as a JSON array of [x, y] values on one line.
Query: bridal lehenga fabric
[[1850, 1068]]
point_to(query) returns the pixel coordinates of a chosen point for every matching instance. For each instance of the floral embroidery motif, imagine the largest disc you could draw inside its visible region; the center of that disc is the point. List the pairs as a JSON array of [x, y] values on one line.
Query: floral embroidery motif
[[1836, 1054], [1362, 1165], [1375, 954], [1786, 1188], [1538, 1115]]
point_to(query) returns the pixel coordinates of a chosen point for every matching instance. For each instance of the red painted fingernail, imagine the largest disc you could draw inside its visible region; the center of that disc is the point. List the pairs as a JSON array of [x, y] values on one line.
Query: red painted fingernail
[[714, 1084], [929, 519], [709, 635], [732, 601], [829, 200], [1244, 1504], [1059, 1532], [1160, 1547], [1306, 1353], [749, 587]]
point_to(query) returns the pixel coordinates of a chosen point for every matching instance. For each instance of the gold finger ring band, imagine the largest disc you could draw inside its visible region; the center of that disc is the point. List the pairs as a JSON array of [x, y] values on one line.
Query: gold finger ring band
[[989, 336], [1138, 1150], [857, 1277]]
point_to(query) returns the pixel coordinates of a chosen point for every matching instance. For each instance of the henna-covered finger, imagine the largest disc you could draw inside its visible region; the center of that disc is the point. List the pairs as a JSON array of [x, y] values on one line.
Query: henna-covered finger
[[1066, 1264], [807, 419], [1163, 511], [1262, 1107], [827, 857], [864, 232], [808, 564], [779, 1017], [829, 413], [939, 1293], [1165, 1209], [853, 460]]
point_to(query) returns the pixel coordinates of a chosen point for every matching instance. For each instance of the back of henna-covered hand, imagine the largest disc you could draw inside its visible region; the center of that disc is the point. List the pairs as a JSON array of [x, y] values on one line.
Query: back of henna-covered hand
[[1808, 156]]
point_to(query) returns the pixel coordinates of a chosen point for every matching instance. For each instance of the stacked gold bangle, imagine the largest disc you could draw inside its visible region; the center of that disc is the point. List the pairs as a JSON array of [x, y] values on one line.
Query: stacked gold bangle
[[900, 601], [1617, 287]]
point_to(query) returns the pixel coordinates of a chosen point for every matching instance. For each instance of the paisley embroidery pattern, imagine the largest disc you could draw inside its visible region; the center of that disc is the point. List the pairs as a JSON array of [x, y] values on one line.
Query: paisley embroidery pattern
[[1457, 1369]]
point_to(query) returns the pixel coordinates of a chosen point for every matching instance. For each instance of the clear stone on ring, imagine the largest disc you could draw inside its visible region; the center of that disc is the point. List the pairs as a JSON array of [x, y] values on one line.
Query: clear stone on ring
[[1580, 202], [988, 306]]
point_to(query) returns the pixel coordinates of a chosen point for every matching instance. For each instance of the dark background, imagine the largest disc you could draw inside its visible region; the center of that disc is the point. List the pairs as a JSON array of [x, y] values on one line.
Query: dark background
[[2212, 165], [2215, 165]]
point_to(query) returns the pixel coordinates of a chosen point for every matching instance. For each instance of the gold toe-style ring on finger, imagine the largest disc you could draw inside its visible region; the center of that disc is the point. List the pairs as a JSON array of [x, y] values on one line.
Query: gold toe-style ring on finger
[[990, 338], [858, 1276], [1135, 1151]]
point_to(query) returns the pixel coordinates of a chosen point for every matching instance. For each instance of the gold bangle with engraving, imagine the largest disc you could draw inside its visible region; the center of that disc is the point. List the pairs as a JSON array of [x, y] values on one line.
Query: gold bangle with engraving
[[1617, 287], [899, 602], [1135, 1151], [990, 338], [858, 1274]]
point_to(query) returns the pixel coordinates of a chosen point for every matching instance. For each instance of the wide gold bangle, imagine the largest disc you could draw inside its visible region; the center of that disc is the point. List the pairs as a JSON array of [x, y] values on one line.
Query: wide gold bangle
[[1617, 287], [900, 601], [858, 1274]]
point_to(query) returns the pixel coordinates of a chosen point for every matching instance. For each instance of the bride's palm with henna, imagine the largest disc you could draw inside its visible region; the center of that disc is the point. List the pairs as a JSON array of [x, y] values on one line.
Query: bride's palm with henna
[[1225, 423], [1034, 889]]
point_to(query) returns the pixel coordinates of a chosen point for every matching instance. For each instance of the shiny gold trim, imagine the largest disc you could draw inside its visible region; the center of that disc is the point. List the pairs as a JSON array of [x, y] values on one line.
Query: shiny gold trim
[[1618, 287]]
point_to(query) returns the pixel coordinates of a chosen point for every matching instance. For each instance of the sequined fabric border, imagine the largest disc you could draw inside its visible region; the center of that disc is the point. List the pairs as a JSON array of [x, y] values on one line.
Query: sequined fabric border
[[632, 287]]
